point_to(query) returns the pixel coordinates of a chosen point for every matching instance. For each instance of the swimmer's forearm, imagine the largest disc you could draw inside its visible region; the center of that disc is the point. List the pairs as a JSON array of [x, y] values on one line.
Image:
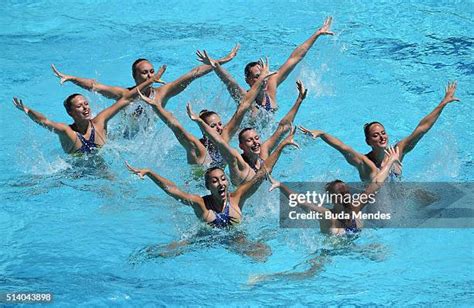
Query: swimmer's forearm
[[233, 87], [423, 127], [427, 122]]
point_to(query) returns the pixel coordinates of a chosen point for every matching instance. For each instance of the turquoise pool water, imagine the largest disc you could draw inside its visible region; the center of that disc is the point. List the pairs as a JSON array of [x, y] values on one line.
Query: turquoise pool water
[[81, 235]]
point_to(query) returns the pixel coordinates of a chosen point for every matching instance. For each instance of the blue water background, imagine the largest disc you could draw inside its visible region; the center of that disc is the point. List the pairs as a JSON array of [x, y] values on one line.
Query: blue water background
[[76, 233]]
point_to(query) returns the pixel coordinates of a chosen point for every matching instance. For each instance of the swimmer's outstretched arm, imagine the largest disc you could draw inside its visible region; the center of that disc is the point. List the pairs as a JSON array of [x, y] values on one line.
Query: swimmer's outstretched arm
[[356, 159], [55, 127], [407, 144], [287, 121], [105, 115], [195, 150], [174, 88], [91, 85], [249, 97], [235, 90], [247, 189], [171, 189], [297, 55]]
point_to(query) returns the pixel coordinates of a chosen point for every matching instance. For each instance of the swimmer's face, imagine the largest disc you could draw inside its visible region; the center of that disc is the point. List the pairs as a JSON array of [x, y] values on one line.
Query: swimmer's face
[[217, 183], [143, 71], [250, 142], [80, 109], [377, 138], [253, 75], [214, 121]]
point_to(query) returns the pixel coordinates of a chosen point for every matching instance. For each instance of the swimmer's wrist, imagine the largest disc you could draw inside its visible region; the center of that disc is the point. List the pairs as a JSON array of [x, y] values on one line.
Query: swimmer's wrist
[[26, 110]]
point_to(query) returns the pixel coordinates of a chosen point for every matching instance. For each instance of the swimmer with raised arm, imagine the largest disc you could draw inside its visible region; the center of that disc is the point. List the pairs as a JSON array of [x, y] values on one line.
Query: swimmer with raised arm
[[369, 165], [86, 134], [142, 69], [220, 209], [331, 226], [266, 98], [244, 166], [203, 151]]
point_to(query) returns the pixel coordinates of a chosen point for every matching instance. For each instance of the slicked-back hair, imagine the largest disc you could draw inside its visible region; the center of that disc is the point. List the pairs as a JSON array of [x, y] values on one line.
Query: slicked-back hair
[[134, 66], [248, 67], [68, 101], [242, 132]]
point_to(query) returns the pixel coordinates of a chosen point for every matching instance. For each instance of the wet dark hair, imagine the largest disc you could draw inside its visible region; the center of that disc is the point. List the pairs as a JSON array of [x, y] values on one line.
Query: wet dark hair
[[242, 132], [68, 101], [248, 67], [367, 128], [331, 185], [204, 114], [207, 175], [134, 65]]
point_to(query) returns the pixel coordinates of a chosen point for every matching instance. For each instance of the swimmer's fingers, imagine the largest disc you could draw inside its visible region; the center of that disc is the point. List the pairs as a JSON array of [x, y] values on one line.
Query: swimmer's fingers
[[140, 173], [325, 28], [234, 50], [202, 58], [190, 112], [301, 89], [313, 133], [393, 153], [62, 78], [161, 71], [209, 59], [274, 183], [450, 91], [305, 131], [18, 103], [290, 138]]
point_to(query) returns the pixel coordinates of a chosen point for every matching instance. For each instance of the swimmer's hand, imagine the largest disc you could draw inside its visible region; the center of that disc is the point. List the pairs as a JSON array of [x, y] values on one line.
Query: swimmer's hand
[[325, 28], [204, 58], [301, 89], [393, 155], [146, 99], [289, 140], [157, 76], [231, 54], [274, 183], [62, 77], [140, 172], [194, 117], [313, 133], [19, 104], [449, 95], [265, 69]]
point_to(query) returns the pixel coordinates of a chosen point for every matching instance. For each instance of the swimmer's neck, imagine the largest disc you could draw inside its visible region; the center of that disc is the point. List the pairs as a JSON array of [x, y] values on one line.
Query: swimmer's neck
[[219, 201], [251, 157], [377, 155], [147, 90], [81, 126]]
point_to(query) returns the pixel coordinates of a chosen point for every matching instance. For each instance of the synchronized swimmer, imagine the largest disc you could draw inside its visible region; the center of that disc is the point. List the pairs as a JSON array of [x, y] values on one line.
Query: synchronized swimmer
[[247, 170]]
